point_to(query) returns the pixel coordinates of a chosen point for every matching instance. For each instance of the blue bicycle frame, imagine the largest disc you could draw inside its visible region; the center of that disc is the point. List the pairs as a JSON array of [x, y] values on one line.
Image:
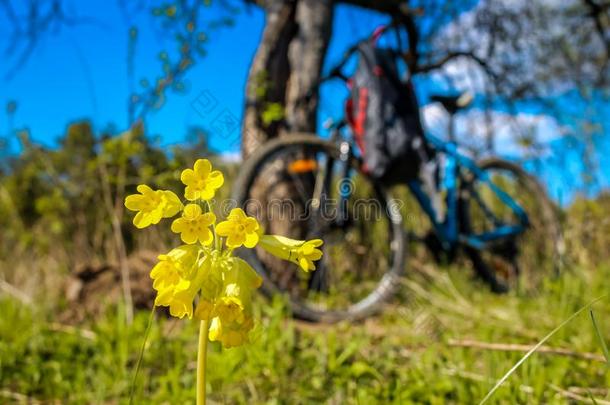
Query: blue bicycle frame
[[448, 230]]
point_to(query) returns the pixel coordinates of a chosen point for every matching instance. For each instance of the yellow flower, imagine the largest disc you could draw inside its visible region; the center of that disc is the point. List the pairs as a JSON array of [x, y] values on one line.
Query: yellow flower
[[204, 309], [300, 252], [230, 334], [178, 277], [201, 182], [241, 274], [165, 274], [239, 229], [178, 263], [178, 298], [152, 205], [227, 292], [230, 309], [194, 225]]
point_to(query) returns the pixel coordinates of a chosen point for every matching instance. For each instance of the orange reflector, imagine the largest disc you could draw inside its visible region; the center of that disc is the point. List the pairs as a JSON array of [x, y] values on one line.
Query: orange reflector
[[302, 166]]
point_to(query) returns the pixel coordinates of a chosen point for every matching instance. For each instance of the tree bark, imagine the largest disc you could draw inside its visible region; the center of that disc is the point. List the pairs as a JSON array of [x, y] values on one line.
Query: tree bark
[[306, 57], [268, 74]]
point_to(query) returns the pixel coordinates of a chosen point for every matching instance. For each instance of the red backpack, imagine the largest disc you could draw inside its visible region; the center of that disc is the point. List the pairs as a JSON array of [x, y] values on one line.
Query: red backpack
[[384, 115]]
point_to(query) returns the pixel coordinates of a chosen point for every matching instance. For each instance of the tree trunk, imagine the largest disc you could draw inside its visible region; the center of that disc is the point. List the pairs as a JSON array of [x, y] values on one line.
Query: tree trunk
[[306, 57], [285, 68], [269, 74]]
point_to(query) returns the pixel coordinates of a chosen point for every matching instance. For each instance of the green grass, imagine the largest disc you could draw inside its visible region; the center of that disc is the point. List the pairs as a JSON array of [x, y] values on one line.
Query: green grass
[[413, 353]]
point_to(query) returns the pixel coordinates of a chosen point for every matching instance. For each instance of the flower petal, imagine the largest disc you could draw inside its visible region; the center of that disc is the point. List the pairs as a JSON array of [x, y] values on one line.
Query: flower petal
[[236, 214], [208, 219], [142, 220], [206, 237], [251, 224], [188, 237], [251, 240], [191, 193], [203, 167], [224, 228], [215, 330], [188, 176], [316, 242], [144, 189], [173, 204], [192, 211], [216, 179], [156, 215], [134, 202], [207, 193], [315, 255], [235, 240], [178, 225]]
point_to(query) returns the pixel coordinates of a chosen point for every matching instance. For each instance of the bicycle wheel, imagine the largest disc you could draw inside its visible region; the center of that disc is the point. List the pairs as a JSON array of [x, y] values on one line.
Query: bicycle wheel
[[525, 260], [293, 186]]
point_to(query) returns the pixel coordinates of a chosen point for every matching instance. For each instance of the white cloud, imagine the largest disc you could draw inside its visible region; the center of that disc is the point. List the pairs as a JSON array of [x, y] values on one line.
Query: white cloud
[[230, 157], [508, 130], [546, 22]]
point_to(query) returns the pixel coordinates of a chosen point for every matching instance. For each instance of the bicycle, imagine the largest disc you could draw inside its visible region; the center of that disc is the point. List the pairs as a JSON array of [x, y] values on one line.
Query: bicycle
[[317, 188]]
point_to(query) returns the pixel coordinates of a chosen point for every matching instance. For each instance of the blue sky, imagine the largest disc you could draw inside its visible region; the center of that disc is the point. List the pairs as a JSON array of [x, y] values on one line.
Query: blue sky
[[80, 73]]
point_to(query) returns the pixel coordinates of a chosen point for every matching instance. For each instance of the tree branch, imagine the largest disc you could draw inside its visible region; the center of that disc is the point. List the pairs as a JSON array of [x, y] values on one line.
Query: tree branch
[[597, 12], [454, 55]]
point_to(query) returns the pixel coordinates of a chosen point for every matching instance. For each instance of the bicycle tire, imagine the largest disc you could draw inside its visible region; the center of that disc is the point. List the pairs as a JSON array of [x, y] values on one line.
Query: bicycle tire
[[547, 213], [386, 286]]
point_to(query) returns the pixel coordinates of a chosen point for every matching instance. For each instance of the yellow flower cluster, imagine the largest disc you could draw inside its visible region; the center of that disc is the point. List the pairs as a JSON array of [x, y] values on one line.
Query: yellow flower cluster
[[202, 279]]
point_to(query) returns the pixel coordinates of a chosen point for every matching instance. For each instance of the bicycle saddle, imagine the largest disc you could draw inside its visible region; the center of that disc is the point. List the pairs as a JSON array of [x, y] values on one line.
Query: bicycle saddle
[[454, 103]]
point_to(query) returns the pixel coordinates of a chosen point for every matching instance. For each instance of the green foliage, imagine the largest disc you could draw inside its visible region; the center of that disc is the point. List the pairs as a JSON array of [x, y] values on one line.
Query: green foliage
[[410, 354], [71, 192], [52, 212], [587, 230], [273, 112]]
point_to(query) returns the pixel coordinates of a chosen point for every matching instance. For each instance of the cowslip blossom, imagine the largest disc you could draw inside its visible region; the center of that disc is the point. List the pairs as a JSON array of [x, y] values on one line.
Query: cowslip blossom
[[302, 253], [152, 205], [194, 225], [201, 279], [201, 181], [239, 229]]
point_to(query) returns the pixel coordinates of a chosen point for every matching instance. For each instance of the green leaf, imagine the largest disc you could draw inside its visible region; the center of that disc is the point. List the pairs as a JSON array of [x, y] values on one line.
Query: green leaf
[[273, 112]]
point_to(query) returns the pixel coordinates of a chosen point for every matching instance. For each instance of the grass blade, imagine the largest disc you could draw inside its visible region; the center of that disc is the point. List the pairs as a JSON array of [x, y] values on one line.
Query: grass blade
[[141, 356], [600, 336], [533, 349]]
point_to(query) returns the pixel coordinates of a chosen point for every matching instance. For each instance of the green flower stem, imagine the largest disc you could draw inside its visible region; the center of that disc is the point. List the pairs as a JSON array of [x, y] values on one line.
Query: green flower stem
[[217, 245], [202, 355]]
